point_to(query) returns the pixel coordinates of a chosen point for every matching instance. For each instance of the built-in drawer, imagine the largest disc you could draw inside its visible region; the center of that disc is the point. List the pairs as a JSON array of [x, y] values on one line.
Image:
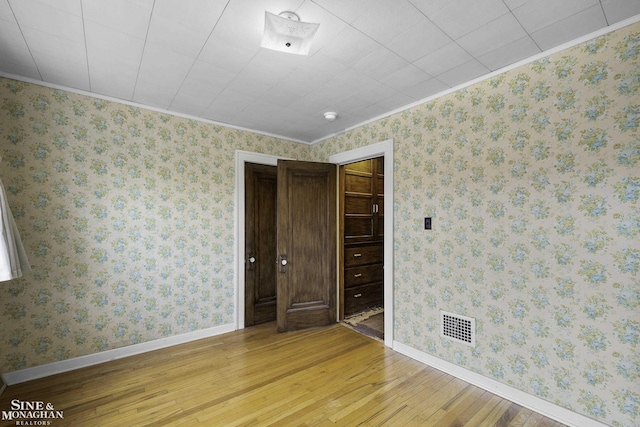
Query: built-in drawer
[[360, 298], [363, 255], [362, 275]]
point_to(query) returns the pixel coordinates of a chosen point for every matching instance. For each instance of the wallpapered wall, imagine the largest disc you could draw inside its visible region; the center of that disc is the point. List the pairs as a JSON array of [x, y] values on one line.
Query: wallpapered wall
[[127, 217], [532, 178]]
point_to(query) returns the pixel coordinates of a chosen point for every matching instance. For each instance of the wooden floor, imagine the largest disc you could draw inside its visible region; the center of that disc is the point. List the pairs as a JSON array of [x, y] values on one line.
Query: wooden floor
[[257, 377]]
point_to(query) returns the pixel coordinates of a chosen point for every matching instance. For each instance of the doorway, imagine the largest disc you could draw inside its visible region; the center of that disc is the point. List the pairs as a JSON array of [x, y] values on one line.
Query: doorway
[[290, 216], [384, 148], [362, 245]]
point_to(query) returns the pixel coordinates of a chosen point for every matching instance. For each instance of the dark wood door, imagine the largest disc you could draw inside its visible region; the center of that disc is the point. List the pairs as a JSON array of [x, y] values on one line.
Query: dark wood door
[[260, 243], [306, 278]]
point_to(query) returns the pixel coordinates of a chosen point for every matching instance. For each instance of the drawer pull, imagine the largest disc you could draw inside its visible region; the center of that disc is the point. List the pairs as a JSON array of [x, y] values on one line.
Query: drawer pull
[[357, 255], [357, 275], [357, 295]]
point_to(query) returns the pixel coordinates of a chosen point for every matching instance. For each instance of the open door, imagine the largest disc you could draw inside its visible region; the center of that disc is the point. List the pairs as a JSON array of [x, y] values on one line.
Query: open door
[[306, 245]]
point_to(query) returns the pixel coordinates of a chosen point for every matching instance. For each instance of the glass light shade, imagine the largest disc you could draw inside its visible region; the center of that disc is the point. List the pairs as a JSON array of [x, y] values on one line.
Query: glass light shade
[[285, 33]]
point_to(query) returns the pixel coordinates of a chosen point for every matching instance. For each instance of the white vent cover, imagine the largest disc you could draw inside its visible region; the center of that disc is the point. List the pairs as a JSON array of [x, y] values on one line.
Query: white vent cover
[[458, 328]]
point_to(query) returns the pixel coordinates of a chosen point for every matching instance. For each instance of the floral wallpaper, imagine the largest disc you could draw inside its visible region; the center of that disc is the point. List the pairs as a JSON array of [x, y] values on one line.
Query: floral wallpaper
[[532, 179], [127, 218]]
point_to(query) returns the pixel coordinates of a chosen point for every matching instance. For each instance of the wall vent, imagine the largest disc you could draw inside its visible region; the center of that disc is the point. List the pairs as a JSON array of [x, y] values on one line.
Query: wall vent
[[458, 328]]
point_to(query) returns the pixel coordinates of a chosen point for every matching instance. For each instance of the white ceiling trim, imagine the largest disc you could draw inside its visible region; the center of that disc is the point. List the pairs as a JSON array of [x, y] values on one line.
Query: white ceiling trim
[[143, 106], [529, 60], [587, 37]]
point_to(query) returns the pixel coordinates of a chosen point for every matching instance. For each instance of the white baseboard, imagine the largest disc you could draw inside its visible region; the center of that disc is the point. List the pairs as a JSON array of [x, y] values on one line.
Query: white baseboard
[[526, 400], [54, 368]]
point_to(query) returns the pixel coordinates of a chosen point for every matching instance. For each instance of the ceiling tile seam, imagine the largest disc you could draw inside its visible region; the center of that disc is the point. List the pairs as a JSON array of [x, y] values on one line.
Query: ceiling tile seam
[[453, 40], [545, 53], [437, 26], [146, 37], [328, 11], [385, 47], [489, 23], [569, 17], [603, 12], [234, 78], [226, 86], [54, 5], [462, 35], [411, 63], [35, 64], [523, 28], [86, 49], [381, 45], [198, 56], [425, 73]]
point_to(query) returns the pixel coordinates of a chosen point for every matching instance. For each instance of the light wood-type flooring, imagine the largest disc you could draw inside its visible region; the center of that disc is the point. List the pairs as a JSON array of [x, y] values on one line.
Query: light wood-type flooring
[[257, 377]]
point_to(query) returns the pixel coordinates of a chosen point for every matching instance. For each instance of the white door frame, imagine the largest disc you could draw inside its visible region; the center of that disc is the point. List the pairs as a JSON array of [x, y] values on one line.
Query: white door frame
[[384, 148]]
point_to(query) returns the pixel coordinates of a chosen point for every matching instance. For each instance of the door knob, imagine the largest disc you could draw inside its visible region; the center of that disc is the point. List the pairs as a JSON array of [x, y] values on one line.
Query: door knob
[[252, 261], [282, 261]]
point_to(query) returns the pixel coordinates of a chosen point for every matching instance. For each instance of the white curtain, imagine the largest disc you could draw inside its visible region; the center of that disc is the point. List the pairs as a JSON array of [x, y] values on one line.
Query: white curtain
[[13, 258]]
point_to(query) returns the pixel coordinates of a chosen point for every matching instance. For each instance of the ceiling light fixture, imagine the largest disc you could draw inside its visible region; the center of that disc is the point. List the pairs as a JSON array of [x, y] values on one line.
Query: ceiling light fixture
[[330, 116], [286, 33]]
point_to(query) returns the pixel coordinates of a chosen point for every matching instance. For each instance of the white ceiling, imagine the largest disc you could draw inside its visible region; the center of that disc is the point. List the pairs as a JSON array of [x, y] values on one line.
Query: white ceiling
[[202, 58]]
